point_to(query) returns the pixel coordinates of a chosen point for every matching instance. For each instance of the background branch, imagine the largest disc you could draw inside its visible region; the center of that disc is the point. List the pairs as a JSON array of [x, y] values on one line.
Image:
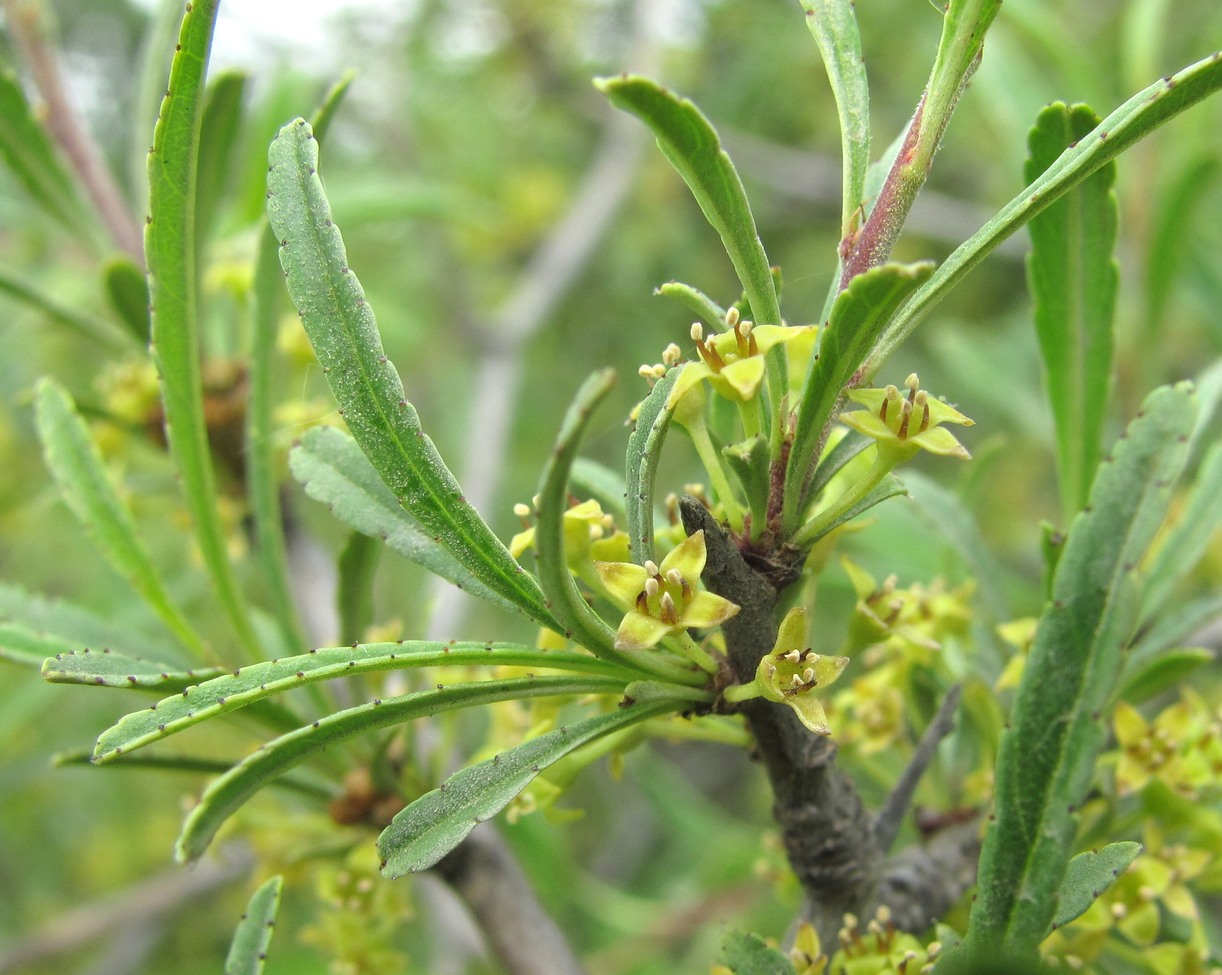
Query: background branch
[[30, 30]]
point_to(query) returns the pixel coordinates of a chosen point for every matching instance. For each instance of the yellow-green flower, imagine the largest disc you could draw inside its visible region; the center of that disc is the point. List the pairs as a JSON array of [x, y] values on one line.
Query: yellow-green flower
[[733, 361], [903, 425], [1182, 748], [663, 599], [589, 533], [791, 672]]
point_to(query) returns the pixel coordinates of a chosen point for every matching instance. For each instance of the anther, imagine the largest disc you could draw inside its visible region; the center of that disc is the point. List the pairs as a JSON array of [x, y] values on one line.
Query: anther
[[652, 568], [522, 510], [666, 605]]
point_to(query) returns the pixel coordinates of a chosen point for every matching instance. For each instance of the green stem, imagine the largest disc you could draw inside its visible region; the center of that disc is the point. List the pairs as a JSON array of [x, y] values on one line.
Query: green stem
[[737, 693], [711, 460], [813, 528], [749, 414], [696, 654]]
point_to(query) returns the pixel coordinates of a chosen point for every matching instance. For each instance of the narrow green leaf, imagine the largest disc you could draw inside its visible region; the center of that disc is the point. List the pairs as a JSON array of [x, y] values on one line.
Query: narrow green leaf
[[1170, 670], [313, 787], [688, 140], [248, 950], [1058, 724], [344, 333], [128, 291], [260, 681], [752, 466], [32, 157], [833, 24], [438, 821], [358, 566], [169, 243], [889, 487], [219, 132], [580, 622], [1128, 124], [1186, 542], [332, 469], [76, 464], [329, 105], [262, 467], [747, 954], [232, 790], [1073, 277], [697, 301], [61, 620], [641, 465], [28, 647], [834, 460], [1088, 875], [107, 668], [859, 314], [691, 145], [26, 291]]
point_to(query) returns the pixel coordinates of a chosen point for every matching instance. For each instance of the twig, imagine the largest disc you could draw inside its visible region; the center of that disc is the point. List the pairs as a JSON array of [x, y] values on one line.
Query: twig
[[924, 881], [889, 819], [521, 934], [827, 832], [29, 29], [145, 901]]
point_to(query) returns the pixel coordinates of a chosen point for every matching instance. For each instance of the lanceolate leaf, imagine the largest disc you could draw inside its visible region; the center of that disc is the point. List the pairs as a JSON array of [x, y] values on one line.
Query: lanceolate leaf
[[22, 645], [107, 668], [228, 793], [33, 159], [1073, 279], [262, 465], [833, 24], [438, 821], [1058, 723], [76, 464], [257, 682], [1129, 123], [859, 314], [1088, 875], [688, 140], [644, 450], [128, 290], [169, 243], [345, 336], [248, 950], [332, 469]]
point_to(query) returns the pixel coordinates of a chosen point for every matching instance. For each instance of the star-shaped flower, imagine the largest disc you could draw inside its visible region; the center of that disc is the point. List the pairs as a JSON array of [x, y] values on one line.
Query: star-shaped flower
[[791, 672], [663, 599], [903, 425], [733, 361]]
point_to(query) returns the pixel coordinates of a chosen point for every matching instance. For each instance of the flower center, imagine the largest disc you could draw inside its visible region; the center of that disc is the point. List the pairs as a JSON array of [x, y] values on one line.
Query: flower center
[[664, 596], [898, 411]]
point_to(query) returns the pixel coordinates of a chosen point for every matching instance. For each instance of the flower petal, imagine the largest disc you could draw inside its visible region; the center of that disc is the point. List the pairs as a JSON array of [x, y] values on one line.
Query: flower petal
[[688, 557], [639, 632], [624, 581], [707, 609]]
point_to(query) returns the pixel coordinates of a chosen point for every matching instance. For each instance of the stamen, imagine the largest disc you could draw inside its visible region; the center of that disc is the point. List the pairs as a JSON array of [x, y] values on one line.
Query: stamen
[[697, 333], [652, 568], [808, 675], [674, 577], [731, 317], [913, 384], [669, 614], [922, 401], [652, 587], [794, 656], [522, 510], [906, 413], [672, 355], [890, 395]]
